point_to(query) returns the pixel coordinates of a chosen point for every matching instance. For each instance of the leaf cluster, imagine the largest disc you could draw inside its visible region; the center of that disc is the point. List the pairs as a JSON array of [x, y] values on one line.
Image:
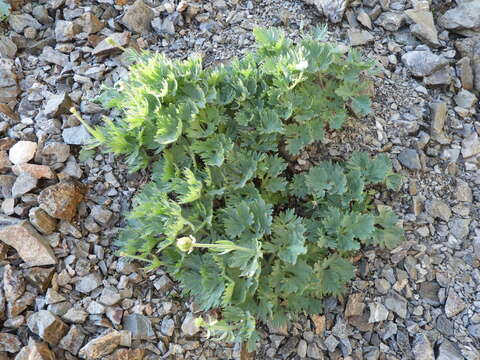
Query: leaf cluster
[[224, 212]]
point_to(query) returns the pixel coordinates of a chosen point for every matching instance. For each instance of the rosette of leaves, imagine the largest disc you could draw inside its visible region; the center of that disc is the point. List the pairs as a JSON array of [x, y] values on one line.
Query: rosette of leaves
[[224, 212]]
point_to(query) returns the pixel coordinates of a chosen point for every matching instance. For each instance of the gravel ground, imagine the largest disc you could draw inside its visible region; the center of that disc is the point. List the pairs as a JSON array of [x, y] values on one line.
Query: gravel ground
[[64, 292]]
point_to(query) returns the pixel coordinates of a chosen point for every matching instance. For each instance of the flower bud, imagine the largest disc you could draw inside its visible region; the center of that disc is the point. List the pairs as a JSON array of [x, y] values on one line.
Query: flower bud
[[185, 243]]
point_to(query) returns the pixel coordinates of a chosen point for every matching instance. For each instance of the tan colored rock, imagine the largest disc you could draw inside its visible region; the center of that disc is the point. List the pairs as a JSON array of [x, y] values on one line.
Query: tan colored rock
[[355, 305], [32, 247], [91, 23], [22, 152], [101, 346], [105, 47], [35, 351], [125, 354], [319, 321], [20, 305], [424, 27], [48, 326], [72, 342], [9, 343], [39, 277], [38, 171], [61, 200], [42, 221], [5, 163]]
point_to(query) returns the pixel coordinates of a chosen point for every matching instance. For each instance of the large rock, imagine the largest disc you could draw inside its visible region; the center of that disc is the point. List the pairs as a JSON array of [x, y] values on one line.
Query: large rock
[[36, 351], [48, 326], [8, 81], [57, 105], [9, 343], [61, 200], [42, 221], [110, 45], [32, 247], [424, 26], [18, 22], [77, 135], [464, 19], [37, 171], [8, 49], [24, 183], [422, 348], [423, 63], [139, 325], [470, 48], [22, 152], [138, 17], [73, 341], [471, 146], [454, 304], [101, 346], [449, 351]]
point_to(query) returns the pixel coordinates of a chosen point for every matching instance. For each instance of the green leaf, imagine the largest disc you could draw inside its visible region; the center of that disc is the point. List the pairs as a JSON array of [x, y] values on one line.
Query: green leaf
[[288, 237], [237, 219], [387, 234], [190, 189], [326, 178], [333, 273], [362, 105]]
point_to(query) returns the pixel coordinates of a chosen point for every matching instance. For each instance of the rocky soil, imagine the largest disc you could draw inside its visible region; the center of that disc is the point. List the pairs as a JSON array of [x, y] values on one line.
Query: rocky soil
[[64, 292]]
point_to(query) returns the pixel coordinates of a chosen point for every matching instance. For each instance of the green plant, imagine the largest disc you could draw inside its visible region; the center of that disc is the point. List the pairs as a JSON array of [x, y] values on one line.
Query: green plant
[[225, 212], [4, 10]]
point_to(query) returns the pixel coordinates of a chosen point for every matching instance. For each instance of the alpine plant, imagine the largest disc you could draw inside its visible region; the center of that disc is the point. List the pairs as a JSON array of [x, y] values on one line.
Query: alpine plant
[[225, 213]]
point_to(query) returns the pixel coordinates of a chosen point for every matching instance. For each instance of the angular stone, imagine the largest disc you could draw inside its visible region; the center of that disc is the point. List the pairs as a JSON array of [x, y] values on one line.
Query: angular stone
[[464, 19], [18, 22], [8, 82], [105, 47], [13, 284], [138, 17], [439, 115], [110, 296], [37, 171], [465, 73], [91, 23], [410, 159], [465, 99], [36, 351], [378, 312], [20, 305], [39, 277], [167, 327], [24, 183], [391, 21], [8, 49], [57, 105], [358, 37], [5, 163], [88, 283], [355, 305], [75, 315], [139, 325], [9, 343], [125, 354], [48, 326], [61, 200], [438, 209], [101, 346], [459, 228], [471, 146], [55, 152], [77, 135], [422, 348], [73, 341], [189, 327], [429, 292], [22, 152], [53, 297], [449, 351], [364, 19], [463, 191], [424, 27], [397, 304], [442, 76], [444, 325], [454, 304], [66, 30], [32, 247], [50, 55], [423, 63]]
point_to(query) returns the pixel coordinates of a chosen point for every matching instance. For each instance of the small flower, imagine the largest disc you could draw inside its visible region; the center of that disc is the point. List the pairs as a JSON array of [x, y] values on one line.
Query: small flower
[[186, 243]]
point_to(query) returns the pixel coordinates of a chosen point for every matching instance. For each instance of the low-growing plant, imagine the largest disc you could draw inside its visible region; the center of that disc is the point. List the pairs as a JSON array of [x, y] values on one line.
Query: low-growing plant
[[226, 213]]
